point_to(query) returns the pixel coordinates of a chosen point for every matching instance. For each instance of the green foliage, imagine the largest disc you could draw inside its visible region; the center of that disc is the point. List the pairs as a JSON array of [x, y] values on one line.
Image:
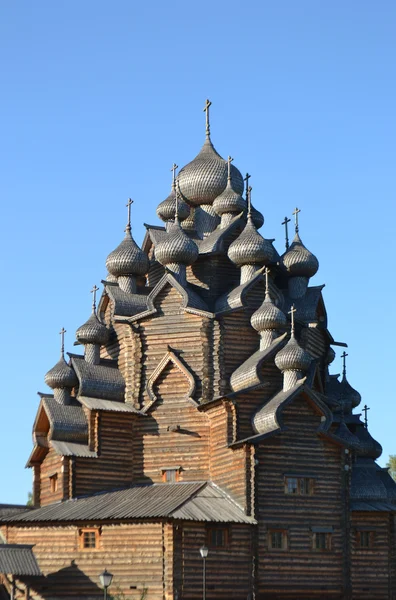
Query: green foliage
[[391, 465], [30, 499]]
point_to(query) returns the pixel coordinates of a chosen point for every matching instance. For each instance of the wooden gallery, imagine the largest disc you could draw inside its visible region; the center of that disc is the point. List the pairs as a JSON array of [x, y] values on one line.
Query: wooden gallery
[[200, 418]]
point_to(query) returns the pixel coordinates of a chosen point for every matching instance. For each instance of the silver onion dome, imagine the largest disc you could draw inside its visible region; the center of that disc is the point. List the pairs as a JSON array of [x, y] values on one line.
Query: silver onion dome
[[330, 356], [299, 261], [92, 332], [203, 179], [166, 210], [348, 393], [176, 248], [250, 248], [368, 446], [61, 376], [257, 217], [127, 258], [229, 201], [292, 357], [268, 316]]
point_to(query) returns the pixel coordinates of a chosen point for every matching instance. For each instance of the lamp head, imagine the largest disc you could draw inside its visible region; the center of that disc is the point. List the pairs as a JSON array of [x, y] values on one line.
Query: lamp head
[[106, 578], [204, 551]]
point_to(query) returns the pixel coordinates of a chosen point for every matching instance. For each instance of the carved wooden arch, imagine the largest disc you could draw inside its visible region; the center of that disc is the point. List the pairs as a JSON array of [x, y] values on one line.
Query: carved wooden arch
[[170, 356]]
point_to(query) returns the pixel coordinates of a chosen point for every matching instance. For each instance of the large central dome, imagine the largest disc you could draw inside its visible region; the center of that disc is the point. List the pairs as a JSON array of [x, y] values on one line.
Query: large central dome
[[205, 177]]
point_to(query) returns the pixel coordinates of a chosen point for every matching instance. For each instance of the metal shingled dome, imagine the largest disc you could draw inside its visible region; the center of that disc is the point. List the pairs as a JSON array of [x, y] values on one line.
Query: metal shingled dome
[[268, 316], [299, 261], [176, 248], [92, 332], [250, 248], [127, 258], [61, 376], [166, 210], [229, 201], [203, 179], [292, 357]]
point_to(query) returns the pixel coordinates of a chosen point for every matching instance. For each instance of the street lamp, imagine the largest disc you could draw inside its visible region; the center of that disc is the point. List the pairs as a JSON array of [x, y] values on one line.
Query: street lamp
[[105, 579], [204, 553]]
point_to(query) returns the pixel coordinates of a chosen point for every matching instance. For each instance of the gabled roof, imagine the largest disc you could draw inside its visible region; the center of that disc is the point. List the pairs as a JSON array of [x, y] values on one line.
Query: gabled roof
[[125, 305], [214, 242], [67, 422], [191, 301], [235, 298], [198, 501], [18, 559], [307, 306]]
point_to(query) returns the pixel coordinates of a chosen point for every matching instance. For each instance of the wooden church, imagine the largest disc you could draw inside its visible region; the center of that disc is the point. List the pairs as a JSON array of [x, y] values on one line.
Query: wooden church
[[199, 411]]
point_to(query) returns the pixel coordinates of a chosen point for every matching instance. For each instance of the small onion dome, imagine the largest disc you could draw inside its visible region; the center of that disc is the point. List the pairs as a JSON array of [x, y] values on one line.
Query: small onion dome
[[330, 356], [292, 357], [229, 201], [92, 332], [348, 393], [268, 316], [166, 210], [127, 258], [61, 376], [176, 248], [368, 446], [203, 179], [299, 261], [250, 248]]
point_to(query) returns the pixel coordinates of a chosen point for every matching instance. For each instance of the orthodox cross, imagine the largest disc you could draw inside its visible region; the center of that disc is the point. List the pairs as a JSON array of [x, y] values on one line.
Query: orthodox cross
[[285, 222], [247, 184], [343, 356], [291, 313], [62, 334], [206, 110], [174, 167], [128, 205], [93, 292], [229, 161], [295, 214], [365, 409], [176, 205]]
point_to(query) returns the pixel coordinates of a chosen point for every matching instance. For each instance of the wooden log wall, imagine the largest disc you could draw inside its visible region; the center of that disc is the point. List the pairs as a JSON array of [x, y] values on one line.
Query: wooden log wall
[[300, 571], [371, 567], [133, 552], [228, 570], [227, 466], [239, 341], [174, 433], [114, 465], [53, 465]]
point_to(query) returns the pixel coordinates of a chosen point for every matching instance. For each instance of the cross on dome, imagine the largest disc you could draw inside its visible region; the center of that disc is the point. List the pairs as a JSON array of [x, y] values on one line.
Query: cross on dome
[[174, 167], [343, 356], [128, 205], [249, 200], [291, 313], [62, 334], [285, 222], [295, 214], [229, 161], [206, 110], [365, 409], [247, 177], [93, 292]]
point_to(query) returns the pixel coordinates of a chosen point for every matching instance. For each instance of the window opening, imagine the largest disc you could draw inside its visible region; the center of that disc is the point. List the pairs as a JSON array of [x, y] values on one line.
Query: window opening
[[54, 483], [277, 539]]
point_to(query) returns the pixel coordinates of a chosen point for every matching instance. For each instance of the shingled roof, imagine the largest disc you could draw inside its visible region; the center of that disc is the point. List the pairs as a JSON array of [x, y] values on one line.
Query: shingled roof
[[18, 559], [199, 501]]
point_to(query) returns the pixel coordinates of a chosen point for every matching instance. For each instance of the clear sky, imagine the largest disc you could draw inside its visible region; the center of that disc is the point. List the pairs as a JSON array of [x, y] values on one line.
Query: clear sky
[[99, 98]]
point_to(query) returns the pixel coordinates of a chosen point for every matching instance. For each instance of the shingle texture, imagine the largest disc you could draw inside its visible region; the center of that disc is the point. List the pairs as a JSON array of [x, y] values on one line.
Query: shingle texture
[[18, 559], [200, 501]]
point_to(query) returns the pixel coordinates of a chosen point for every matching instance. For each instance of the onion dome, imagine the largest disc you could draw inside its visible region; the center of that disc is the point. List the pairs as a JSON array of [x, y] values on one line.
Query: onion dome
[[368, 446], [292, 357], [203, 179], [268, 316], [250, 248], [61, 375], [349, 394], [93, 331], [229, 201], [127, 258], [257, 217], [176, 248], [330, 356], [298, 261], [166, 210]]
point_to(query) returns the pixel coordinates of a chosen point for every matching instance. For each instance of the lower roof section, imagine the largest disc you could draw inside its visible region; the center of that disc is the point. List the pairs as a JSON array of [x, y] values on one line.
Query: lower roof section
[[18, 559], [197, 501]]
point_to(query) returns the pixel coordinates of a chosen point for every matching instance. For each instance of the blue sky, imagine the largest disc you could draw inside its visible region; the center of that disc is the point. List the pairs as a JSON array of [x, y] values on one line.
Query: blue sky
[[98, 99]]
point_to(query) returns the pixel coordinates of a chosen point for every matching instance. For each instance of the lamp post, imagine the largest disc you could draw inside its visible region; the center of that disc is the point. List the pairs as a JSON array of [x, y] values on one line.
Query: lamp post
[[105, 579], [204, 553]]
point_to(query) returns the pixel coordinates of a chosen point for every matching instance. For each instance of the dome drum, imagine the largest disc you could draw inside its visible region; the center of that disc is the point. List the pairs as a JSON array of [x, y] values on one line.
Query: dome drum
[[127, 283], [92, 354], [206, 220], [297, 287]]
